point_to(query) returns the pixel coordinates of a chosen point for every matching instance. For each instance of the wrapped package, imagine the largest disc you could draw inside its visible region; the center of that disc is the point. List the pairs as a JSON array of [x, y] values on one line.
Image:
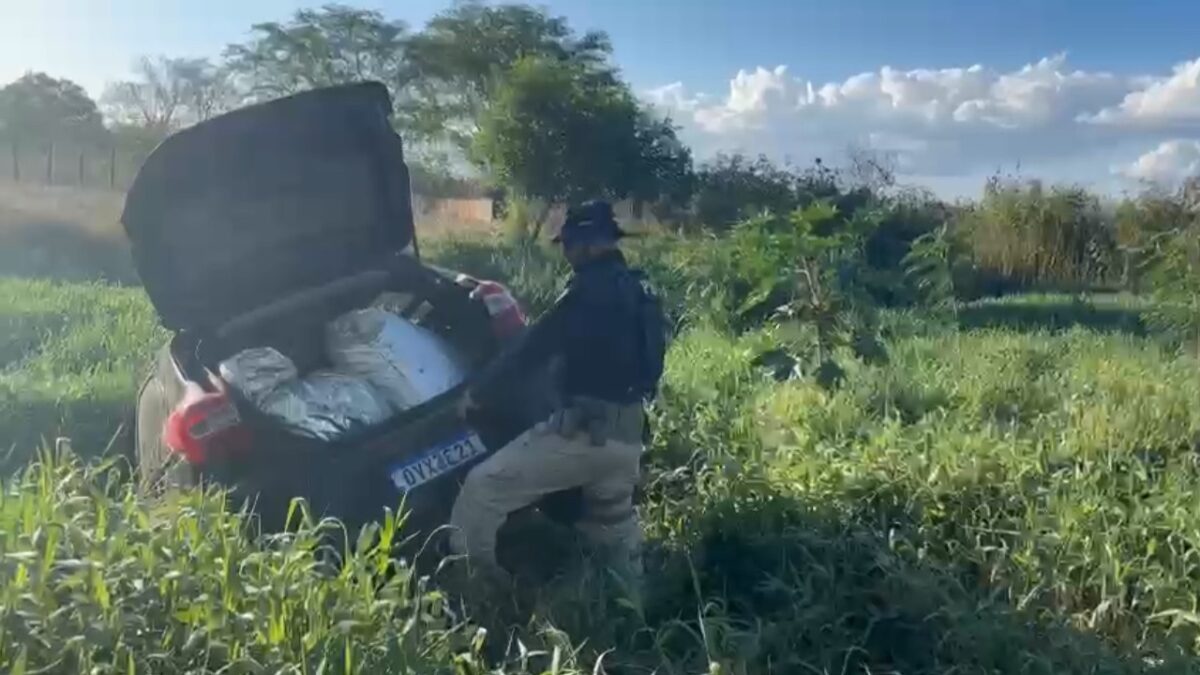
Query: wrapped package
[[326, 404], [406, 363], [394, 302], [257, 372], [322, 405]]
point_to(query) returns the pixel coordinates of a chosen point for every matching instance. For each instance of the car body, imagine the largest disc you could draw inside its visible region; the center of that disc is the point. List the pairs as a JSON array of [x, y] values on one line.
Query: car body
[[256, 228]]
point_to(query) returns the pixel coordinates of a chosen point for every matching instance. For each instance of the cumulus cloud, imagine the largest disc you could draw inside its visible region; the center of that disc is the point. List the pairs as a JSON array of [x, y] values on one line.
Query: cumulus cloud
[[1168, 164], [1168, 102], [937, 121]]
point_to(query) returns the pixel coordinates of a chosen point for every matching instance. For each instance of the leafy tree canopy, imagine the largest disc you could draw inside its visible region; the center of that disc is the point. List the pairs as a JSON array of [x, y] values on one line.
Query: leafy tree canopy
[[40, 108], [464, 56], [556, 133]]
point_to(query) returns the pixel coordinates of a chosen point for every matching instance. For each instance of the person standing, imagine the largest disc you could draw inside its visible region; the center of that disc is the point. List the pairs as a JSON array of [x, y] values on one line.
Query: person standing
[[608, 331]]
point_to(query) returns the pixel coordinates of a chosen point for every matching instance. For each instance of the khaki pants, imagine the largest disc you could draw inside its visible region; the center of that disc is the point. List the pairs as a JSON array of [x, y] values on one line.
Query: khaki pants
[[542, 461]]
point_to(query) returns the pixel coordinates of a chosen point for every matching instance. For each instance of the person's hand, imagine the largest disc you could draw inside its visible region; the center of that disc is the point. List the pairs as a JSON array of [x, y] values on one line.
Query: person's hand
[[466, 405]]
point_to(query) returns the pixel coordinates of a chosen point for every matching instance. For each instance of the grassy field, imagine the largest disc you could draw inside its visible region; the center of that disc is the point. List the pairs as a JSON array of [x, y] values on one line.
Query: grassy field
[[1013, 491], [62, 232], [74, 234], [71, 356]]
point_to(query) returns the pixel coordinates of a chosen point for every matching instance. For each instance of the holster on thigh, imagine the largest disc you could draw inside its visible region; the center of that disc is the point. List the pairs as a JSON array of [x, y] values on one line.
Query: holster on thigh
[[600, 420]]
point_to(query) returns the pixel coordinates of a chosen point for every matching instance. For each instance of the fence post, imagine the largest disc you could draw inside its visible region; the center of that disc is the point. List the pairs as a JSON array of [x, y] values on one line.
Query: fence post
[[16, 163], [82, 167], [112, 168], [50, 164]]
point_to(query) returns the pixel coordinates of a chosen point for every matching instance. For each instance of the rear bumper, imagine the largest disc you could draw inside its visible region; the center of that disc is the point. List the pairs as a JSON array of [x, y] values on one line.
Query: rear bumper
[[351, 480]]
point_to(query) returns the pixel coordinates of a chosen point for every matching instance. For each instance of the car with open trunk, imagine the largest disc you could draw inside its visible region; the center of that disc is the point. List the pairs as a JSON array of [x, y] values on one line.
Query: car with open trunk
[[258, 227]]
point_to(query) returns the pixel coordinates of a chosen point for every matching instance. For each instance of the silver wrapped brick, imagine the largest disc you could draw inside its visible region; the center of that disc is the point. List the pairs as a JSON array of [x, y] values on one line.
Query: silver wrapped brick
[[404, 362], [323, 405], [257, 372]]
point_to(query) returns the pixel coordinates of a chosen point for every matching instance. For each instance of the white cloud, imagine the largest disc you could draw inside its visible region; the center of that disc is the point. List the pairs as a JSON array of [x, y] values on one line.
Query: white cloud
[[950, 121], [1167, 102], [673, 97], [1168, 164]]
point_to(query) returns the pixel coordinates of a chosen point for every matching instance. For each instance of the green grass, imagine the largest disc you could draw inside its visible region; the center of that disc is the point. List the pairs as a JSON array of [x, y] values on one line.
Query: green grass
[[990, 501], [1013, 491], [71, 359], [94, 581]]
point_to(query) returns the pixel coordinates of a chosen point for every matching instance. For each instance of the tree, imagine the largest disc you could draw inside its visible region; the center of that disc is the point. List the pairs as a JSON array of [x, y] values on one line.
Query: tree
[[332, 45], [42, 109], [871, 169], [733, 187], [556, 134], [663, 174], [464, 55], [168, 93], [1171, 255], [1140, 225]]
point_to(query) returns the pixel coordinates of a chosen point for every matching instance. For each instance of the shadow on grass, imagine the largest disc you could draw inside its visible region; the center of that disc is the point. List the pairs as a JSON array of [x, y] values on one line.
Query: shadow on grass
[[791, 586], [23, 329], [1054, 314], [64, 251], [98, 422], [757, 581]]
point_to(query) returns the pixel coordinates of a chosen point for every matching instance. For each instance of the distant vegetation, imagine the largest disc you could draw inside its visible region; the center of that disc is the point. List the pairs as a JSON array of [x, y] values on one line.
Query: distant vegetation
[[510, 102]]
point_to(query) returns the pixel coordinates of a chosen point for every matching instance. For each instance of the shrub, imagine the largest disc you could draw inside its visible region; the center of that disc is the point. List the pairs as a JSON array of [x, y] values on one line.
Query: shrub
[[533, 271], [733, 187], [1028, 236], [1160, 234], [903, 219]]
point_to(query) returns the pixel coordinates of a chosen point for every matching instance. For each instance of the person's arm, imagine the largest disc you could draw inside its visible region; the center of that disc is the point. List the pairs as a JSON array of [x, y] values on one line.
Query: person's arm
[[541, 342]]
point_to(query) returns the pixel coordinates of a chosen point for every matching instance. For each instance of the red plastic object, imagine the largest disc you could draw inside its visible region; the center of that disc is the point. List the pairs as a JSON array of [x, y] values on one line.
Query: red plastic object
[[507, 318], [204, 425]]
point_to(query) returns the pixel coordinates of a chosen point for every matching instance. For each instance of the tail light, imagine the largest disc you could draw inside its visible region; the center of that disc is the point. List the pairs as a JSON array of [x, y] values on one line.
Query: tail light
[[507, 318], [205, 425]]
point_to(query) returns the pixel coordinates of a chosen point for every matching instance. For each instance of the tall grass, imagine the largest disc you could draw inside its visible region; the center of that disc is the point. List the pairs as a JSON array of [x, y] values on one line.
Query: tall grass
[[1025, 235], [94, 581], [71, 359], [1018, 502], [1011, 491]]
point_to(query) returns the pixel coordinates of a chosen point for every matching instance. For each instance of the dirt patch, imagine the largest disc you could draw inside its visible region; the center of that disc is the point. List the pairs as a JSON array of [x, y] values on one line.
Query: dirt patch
[[63, 233], [96, 211], [75, 234]]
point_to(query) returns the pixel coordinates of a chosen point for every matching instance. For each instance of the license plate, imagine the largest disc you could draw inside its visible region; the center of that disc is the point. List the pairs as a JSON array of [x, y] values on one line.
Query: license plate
[[438, 462]]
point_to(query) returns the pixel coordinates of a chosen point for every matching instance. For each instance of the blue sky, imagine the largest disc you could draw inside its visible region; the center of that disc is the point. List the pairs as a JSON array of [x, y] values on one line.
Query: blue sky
[[1051, 94]]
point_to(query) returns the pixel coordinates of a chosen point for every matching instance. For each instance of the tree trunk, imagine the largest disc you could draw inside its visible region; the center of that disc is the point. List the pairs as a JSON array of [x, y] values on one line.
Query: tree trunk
[[50, 164]]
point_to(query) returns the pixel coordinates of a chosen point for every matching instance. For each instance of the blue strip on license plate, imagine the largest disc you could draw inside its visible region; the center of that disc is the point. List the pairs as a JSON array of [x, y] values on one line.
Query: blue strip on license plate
[[438, 462]]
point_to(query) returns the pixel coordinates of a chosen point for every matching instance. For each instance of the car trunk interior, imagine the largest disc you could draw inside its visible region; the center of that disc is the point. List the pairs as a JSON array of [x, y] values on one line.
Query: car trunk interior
[[295, 326], [350, 477], [347, 476]]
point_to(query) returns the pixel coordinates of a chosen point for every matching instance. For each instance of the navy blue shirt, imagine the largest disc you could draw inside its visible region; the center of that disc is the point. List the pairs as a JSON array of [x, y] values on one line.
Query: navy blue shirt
[[594, 328]]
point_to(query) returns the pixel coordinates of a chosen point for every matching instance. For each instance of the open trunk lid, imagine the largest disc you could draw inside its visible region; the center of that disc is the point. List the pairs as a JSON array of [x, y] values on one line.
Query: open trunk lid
[[269, 200]]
